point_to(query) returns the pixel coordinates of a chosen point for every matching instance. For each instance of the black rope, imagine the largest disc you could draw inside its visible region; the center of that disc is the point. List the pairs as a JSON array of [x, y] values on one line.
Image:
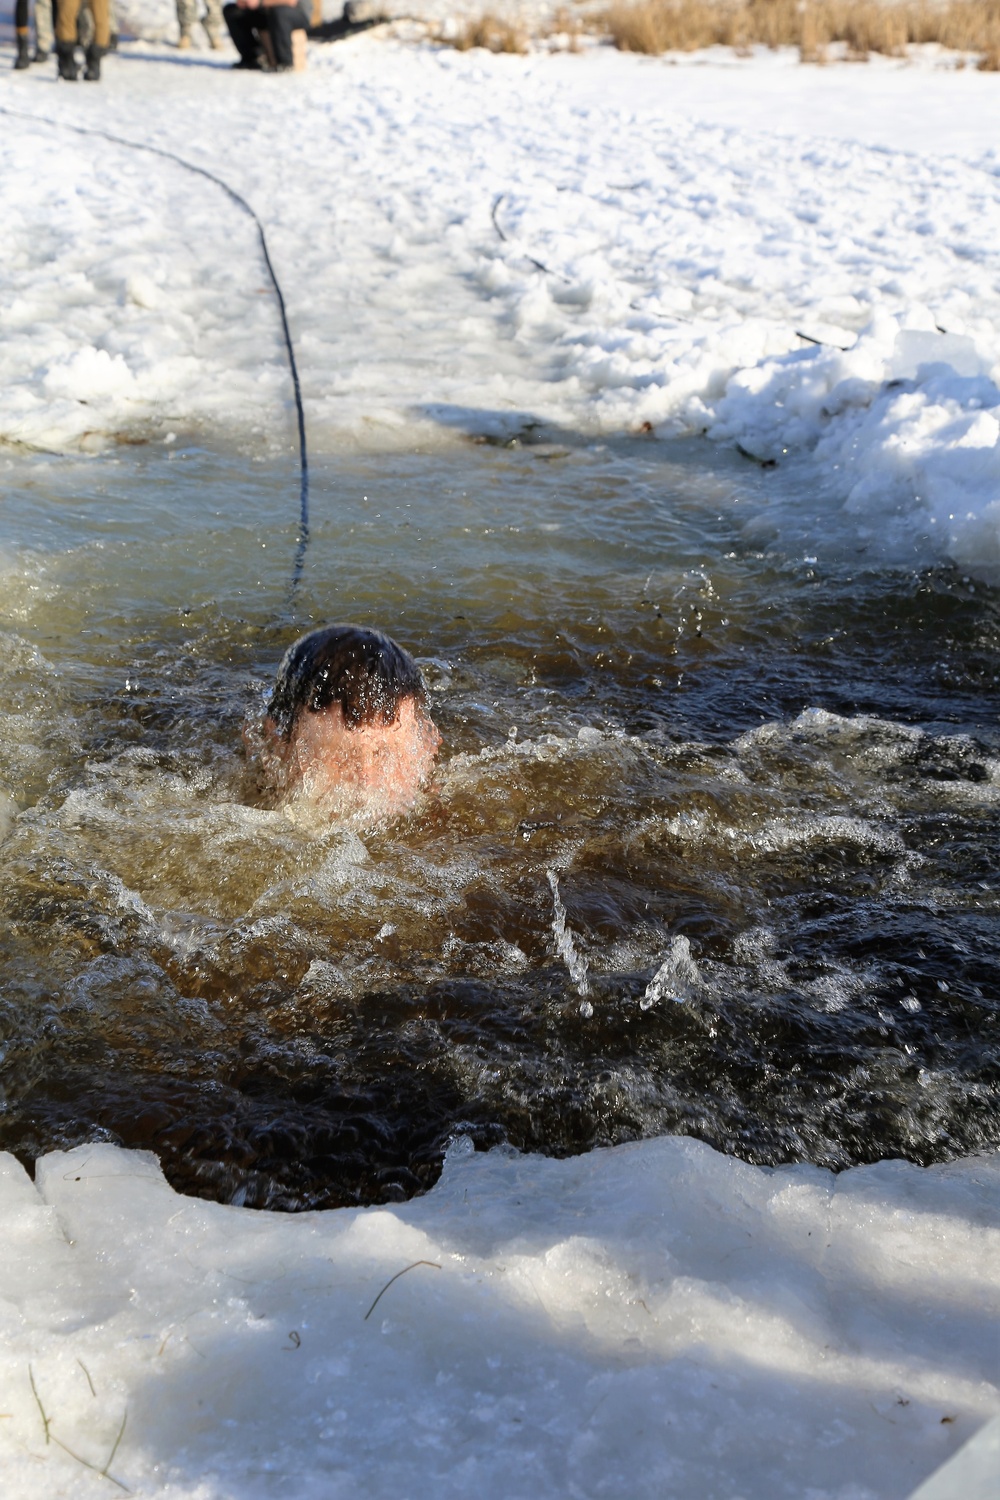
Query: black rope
[[807, 338], [539, 265], [120, 140]]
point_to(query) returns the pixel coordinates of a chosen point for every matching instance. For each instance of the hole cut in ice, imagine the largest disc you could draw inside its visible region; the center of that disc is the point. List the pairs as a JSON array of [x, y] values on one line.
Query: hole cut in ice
[[747, 800]]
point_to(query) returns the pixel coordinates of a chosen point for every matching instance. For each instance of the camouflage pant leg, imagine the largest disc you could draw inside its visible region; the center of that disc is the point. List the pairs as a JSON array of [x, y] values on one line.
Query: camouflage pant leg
[[45, 36], [187, 16]]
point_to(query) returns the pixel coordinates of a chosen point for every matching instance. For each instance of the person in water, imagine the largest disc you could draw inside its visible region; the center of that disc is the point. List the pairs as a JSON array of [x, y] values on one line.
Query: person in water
[[347, 726]]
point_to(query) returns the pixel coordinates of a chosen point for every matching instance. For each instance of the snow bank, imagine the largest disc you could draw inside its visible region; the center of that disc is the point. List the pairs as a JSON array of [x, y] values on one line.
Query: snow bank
[[903, 426], [656, 1319], [412, 198]]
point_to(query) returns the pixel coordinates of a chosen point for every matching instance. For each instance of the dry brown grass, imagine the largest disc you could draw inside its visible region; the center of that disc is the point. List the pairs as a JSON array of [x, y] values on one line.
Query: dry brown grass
[[564, 24], [862, 26], [491, 32]]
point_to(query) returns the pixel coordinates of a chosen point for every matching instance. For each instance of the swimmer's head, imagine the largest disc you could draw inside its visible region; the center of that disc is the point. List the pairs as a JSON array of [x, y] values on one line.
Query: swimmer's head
[[347, 724], [362, 670]]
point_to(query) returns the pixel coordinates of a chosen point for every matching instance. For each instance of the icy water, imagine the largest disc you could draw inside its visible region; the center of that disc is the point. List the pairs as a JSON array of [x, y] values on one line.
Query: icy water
[[713, 848]]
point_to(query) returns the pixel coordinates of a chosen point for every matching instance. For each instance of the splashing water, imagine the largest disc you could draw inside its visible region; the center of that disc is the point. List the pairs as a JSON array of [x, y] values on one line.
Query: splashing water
[[566, 944], [767, 781], [675, 979]]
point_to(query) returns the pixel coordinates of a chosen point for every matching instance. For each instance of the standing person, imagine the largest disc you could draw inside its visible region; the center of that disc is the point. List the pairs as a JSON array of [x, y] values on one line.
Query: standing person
[[187, 15], [43, 32], [85, 26], [249, 20], [45, 35], [67, 16], [23, 58]]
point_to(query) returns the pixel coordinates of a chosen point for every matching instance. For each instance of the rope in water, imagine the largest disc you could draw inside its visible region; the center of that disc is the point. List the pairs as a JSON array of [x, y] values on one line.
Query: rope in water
[[302, 541]]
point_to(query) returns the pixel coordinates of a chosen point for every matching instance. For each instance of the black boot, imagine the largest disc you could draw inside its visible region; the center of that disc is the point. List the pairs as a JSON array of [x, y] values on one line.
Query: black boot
[[40, 55], [92, 72], [66, 61], [23, 59]]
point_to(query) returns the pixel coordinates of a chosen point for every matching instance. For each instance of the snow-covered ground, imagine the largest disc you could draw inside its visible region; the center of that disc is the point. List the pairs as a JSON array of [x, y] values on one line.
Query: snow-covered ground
[[700, 223], [655, 1320], [651, 1321]]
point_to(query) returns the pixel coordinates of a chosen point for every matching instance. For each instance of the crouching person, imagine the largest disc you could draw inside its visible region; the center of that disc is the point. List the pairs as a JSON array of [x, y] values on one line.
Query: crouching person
[[258, 27]]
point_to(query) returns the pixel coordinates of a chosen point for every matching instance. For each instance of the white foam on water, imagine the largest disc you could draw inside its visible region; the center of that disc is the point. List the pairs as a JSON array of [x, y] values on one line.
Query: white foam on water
[[655, 1311], [776, 835], [830, 991], [169, 847]]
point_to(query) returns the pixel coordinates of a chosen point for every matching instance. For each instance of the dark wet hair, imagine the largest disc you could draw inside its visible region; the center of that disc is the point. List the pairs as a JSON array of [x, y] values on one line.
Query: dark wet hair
[[362, 670]]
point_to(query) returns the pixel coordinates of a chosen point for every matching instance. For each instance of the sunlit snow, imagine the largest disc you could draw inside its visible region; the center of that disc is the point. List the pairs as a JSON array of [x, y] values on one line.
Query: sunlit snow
[[652, 1320], [657, 1319]]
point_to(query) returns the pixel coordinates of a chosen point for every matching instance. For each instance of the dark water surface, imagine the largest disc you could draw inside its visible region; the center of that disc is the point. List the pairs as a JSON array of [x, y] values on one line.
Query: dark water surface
[[714, 847]]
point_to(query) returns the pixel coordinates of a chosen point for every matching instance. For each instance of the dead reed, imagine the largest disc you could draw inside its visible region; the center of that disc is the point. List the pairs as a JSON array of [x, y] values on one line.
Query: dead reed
[[861, 26], [491, 32]]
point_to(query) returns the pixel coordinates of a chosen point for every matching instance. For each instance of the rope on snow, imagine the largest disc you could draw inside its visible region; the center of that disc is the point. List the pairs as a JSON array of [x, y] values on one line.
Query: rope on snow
[[302, 541]]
